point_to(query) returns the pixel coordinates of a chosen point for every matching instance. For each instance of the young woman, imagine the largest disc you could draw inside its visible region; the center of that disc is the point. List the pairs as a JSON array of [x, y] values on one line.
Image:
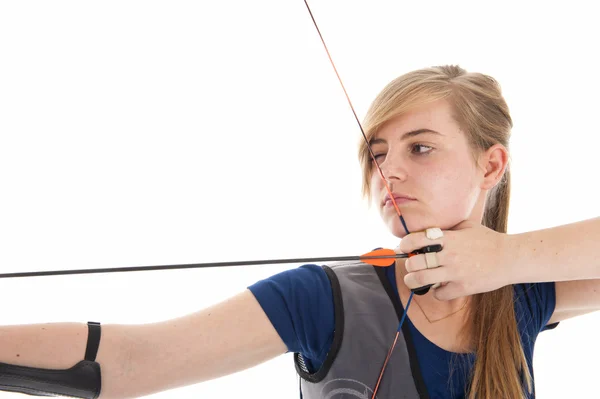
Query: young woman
[[440, 137]]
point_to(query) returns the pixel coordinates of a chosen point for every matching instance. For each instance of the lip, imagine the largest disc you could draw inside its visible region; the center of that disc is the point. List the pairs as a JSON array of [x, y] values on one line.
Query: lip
[[399, 199]]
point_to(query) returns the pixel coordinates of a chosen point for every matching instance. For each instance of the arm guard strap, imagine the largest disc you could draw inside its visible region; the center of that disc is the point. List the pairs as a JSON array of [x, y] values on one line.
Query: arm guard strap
[[83, 380]]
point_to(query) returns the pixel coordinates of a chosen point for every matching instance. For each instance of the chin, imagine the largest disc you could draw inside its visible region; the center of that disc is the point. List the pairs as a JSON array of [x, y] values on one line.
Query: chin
[[397, 229], [414, 223]]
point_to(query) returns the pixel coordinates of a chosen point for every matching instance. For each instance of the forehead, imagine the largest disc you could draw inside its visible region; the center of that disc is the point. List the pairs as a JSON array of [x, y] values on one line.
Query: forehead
[[437, 116]]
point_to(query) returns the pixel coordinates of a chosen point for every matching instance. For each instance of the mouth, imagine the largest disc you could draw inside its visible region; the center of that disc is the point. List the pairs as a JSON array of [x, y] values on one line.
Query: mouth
[[398, 198]]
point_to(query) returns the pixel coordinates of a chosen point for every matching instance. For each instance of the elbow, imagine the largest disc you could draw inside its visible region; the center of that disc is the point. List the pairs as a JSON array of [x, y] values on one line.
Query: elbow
[[119, 365]]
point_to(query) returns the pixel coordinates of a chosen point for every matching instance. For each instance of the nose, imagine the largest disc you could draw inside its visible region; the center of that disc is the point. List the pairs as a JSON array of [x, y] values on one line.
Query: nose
[[393, 168]]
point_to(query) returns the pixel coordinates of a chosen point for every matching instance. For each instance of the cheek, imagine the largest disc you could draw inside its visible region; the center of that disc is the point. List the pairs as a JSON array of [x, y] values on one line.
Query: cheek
[[454, 192], [376, 186]]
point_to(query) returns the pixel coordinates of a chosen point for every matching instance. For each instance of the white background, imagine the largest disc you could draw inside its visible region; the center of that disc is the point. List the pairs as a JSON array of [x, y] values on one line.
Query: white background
[[147, 132]]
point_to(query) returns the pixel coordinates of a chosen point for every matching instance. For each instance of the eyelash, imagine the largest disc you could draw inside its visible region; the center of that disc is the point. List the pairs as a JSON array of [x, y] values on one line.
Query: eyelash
[[413, 152], [423, 145]]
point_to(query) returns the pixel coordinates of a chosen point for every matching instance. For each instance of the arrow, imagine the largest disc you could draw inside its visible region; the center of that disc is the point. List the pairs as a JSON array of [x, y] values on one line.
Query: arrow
[[380, 257]]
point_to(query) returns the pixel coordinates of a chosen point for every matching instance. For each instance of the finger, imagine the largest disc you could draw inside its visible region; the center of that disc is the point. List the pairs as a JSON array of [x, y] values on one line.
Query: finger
[[420, 239], [425, 277], [448, 291], [424, 261], [412, 241]]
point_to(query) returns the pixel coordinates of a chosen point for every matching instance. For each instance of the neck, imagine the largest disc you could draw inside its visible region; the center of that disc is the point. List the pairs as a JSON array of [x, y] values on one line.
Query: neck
[[433, 316], [434, 307]]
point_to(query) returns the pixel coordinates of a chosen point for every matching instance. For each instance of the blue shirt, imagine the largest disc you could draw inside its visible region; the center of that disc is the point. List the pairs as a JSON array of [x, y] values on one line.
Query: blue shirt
[[299, 304]]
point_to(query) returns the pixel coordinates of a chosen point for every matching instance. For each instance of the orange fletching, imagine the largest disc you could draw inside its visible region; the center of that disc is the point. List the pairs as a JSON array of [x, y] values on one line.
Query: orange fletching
[[383, 262]]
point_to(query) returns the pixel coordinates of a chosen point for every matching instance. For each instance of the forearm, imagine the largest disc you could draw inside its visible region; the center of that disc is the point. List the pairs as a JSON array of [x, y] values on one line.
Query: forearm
[[563, 253], [59, 346], [52, 346], [140, 360]]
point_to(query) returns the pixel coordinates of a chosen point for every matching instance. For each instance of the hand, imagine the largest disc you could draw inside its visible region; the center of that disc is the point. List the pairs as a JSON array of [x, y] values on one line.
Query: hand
[[474, 259]]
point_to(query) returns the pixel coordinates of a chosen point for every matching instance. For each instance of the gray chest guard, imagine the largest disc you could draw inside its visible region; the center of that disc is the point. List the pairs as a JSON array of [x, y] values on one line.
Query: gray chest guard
[[83, 380]]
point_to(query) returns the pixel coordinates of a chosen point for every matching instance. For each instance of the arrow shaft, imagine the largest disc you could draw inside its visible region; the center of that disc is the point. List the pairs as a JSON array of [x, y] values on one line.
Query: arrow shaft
[[195, 265]]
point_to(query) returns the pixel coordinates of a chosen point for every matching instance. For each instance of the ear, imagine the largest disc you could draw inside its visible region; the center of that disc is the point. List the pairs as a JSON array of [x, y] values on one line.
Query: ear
[[493, 163]]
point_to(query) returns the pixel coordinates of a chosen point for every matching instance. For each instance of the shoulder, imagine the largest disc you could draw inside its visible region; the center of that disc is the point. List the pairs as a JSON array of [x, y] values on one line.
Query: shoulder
[[299, 304], [305, 286], [534, 305]]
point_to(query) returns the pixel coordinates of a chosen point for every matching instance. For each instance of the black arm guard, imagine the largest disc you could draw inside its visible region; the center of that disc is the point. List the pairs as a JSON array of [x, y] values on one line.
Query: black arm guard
[[80, 381]]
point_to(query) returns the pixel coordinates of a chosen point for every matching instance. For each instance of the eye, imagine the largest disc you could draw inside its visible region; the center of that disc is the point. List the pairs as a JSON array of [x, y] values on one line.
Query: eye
[[378, 158], [420, 149]]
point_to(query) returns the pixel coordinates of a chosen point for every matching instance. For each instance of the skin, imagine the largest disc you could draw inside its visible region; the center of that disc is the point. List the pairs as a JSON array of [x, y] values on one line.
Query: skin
[[439, 171], [450, 189]]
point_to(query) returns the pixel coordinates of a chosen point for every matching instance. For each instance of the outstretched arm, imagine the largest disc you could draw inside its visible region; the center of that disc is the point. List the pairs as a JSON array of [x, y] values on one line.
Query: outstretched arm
[[563, 253], [138, 360], [566, 254]]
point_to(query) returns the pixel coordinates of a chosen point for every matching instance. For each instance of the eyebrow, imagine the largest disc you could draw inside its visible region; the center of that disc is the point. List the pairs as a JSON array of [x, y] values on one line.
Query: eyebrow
[[405, 136]]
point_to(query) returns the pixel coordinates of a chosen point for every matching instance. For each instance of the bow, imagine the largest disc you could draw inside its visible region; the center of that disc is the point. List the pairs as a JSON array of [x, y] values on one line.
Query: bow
[[377, 258], [105, 270], [436, 248]]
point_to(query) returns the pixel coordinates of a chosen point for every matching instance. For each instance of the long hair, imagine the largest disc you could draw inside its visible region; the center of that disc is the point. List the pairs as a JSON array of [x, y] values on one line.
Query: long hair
[[500, 369]]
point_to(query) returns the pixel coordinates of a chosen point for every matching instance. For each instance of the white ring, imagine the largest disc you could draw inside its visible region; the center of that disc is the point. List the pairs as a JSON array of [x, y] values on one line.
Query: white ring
[[434, 233]]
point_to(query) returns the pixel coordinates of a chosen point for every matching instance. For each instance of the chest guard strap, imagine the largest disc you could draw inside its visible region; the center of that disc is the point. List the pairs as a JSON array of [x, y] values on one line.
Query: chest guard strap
[[83, 380]]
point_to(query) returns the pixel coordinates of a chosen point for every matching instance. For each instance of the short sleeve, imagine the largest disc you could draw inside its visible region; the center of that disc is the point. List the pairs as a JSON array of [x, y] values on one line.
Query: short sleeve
[[299, 304], [540, 300]]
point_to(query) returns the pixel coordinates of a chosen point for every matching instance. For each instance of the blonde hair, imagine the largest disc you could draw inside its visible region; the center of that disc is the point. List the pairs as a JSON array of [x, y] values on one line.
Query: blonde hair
[[500, 368]]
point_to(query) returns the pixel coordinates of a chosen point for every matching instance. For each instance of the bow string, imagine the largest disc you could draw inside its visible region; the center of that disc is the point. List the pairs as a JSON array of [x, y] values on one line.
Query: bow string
[[380, 257], [385, 182]]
